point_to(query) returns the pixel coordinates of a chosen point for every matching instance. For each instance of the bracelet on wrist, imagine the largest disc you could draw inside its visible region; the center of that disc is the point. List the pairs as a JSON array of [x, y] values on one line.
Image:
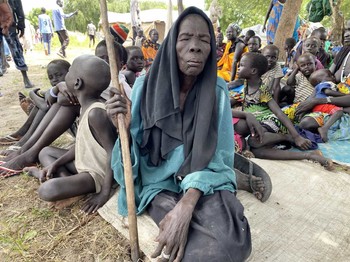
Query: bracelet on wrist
[[52, 93]]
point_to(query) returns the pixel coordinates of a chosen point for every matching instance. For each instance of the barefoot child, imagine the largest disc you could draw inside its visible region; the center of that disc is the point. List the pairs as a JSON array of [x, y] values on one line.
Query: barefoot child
[[56, 72], [323, 81], [273, 76], [277, 127], [91, 171], [134, 64], [298, 87]]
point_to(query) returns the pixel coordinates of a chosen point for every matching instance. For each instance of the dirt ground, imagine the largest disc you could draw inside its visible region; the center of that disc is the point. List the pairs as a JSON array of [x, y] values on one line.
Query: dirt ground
[[29, 229]]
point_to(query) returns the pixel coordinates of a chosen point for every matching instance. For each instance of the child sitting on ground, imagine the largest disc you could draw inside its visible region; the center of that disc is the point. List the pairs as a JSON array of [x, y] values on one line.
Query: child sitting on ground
[[134, 64], [323, 81], [56, 72], [290, 54], [91, 170], [298, 87], [273, 76], [277, 127], [254, 44]]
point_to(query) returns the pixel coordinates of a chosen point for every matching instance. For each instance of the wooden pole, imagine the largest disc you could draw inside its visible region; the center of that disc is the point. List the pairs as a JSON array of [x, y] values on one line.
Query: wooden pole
[[124, 138], [286, 25]]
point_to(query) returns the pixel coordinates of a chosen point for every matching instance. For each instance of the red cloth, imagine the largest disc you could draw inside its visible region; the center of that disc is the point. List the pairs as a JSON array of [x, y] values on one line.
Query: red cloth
[[326, 108]]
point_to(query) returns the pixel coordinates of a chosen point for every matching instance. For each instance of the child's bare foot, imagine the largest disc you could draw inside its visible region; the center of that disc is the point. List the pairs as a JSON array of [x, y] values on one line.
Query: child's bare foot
[[323, 134], [18, 163], [34, 171], [253, 185], [60, 204], [318, 157], [248, 154], [10, 154]]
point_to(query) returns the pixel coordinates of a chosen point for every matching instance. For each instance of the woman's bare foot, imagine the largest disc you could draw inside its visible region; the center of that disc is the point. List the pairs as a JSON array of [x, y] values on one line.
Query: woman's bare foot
[[323, 133], [253, 185]]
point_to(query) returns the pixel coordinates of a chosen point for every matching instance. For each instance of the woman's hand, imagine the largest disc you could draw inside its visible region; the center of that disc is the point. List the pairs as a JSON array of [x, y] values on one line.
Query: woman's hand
[[256, 130], [117, 104], [173, 229], [94, 202], [72, 98], [302, 143]]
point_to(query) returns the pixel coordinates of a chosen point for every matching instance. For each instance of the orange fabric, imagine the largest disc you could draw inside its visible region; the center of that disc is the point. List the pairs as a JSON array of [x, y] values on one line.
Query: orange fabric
[[226, 63]]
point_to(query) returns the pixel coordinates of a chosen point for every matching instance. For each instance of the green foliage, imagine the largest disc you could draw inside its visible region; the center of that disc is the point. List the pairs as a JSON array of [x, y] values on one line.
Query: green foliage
[[88, 10], [146, 5], [249, 13], [33, 16], [244, 13]]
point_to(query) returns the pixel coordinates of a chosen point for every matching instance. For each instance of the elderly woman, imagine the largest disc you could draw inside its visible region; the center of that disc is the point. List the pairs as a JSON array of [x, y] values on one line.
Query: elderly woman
[[182, 159], [235, 47]]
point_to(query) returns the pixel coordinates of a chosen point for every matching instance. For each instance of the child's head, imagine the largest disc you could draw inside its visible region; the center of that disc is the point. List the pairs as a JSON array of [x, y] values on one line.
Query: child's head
[[311, 45], [219, 39], [307, 64], [153, 35], [252, 65], [320, 76], [271, 52], [321, 34], [248, 35], [43, 10], [289, 44], [57, 70], [88, 75], [135, 62], [101, 52], [254, 44]]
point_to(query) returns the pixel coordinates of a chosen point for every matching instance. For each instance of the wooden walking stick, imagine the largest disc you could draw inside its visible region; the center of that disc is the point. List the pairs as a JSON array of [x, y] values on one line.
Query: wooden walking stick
[[124, 138]]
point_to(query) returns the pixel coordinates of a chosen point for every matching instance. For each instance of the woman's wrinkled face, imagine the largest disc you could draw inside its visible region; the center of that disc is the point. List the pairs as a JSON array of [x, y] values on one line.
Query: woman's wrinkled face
[[193, 45]]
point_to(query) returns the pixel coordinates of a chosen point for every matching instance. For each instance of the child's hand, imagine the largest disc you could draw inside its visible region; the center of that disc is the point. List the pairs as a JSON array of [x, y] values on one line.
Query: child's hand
[[256, 130], [94, 202], [48, 172], [295, 67], [302, 143], [62, 87]]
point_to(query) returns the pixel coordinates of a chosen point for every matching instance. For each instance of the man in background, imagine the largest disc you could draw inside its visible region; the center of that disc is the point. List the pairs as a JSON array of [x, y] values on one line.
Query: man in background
[[58, 19]]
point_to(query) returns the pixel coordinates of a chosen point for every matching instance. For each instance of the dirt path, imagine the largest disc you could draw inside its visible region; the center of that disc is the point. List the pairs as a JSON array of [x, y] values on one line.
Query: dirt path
[[29, 229]]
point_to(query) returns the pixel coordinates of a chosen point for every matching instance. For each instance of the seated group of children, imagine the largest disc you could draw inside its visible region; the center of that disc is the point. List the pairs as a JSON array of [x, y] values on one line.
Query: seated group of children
[[78, 90], [265, 98]]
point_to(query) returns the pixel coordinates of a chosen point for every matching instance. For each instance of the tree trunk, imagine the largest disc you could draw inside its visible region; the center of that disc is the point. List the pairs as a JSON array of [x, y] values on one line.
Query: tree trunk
[[286, 25], [180, 7], [337, 23]]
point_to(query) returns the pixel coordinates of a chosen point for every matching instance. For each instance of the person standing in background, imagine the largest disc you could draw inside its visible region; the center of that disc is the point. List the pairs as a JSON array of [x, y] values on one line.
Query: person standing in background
[[60, 28], [91, 29], [15, 30], [46, 30]]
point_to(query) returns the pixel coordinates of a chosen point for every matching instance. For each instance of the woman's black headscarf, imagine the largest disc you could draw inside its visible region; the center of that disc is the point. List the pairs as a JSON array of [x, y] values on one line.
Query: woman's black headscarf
[[165, 127]]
